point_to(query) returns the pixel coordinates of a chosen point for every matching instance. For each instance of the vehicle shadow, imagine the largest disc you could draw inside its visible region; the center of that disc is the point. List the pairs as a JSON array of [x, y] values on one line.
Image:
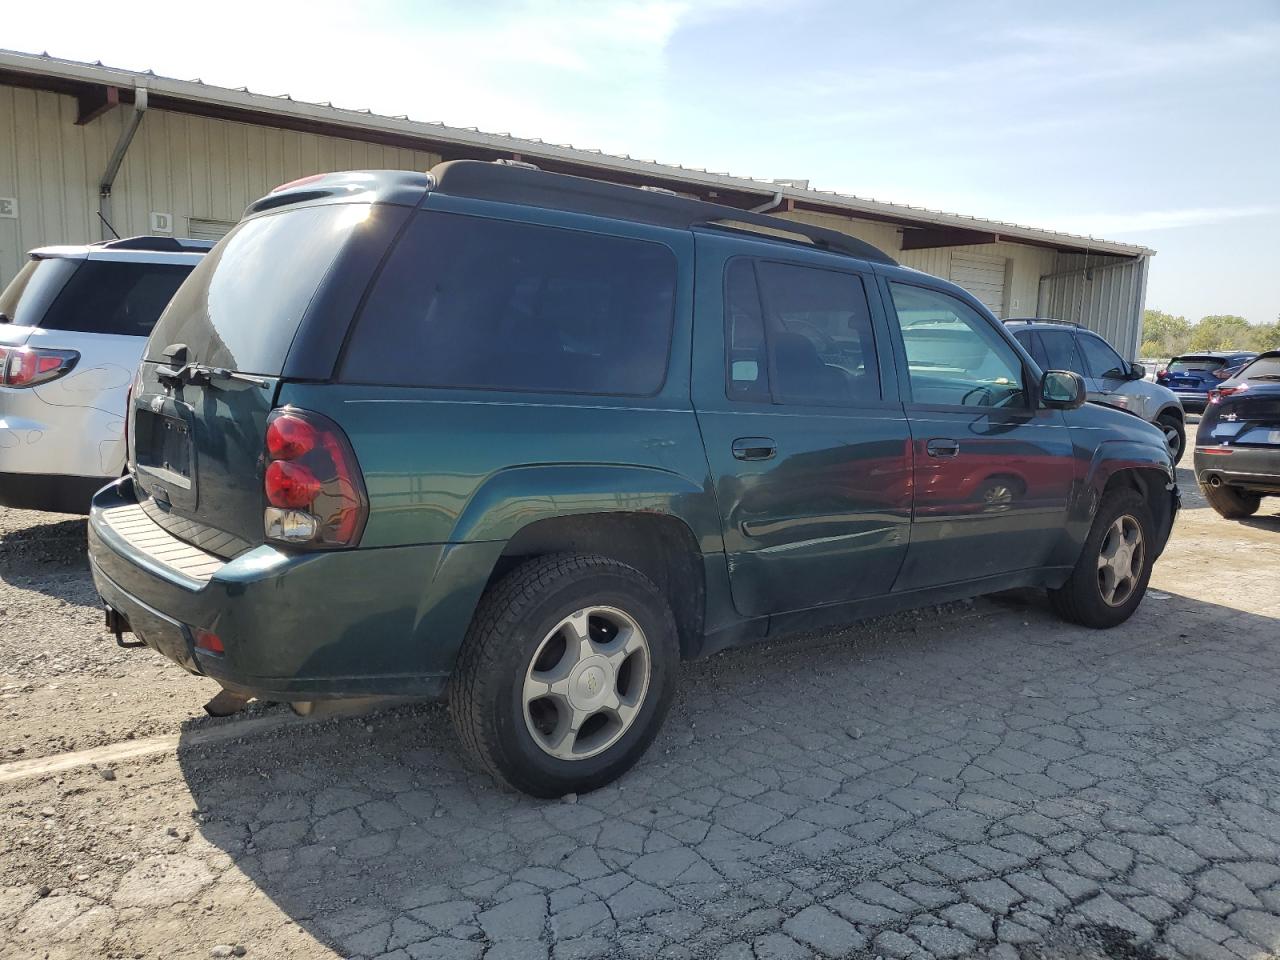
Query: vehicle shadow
[[786, 774], [46, 553]]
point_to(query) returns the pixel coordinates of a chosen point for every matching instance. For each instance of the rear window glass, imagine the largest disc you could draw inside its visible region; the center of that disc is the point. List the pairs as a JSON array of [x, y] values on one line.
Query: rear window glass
[[471, 302], [1187, 364], [241, 306], [1264, 368], [29, 294], [115, 296]]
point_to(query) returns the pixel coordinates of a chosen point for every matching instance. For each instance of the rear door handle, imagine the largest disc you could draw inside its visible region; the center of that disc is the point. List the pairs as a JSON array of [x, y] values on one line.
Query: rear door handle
[[755, 448], [943, 449]]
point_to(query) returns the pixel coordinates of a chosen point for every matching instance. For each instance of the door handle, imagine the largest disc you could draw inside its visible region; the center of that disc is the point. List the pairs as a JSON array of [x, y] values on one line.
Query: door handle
[[943, 449], [755, 448]]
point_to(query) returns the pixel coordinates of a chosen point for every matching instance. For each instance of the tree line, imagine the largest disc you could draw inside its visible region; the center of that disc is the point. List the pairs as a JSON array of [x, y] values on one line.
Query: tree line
[[1164, 335]]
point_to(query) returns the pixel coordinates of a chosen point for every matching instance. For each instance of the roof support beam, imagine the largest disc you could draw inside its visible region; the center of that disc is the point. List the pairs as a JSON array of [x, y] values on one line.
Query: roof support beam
[[94, 102], [929, 238]]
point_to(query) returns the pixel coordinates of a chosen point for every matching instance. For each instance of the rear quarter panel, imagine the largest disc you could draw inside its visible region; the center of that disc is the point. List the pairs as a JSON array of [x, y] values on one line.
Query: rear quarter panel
[[74, 425], [453, 467]]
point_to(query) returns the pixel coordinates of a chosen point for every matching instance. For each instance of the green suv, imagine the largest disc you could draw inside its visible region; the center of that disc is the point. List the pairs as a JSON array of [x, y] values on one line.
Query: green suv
[[526, 441]]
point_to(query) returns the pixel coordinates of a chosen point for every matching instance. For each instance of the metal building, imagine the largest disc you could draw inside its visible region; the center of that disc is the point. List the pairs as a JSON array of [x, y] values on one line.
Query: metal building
[[81, 144]]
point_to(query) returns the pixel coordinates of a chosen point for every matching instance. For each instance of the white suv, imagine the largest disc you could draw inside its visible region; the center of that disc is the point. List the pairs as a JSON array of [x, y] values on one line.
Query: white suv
[[73, 324]]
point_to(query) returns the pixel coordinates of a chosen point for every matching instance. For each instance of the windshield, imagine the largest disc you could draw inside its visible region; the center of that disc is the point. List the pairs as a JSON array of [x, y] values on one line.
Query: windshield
[[242, 305], [1196, 364], [29, 294]]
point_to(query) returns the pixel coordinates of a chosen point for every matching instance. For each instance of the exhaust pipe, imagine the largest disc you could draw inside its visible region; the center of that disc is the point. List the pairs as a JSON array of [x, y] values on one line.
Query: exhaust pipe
[[1215, 481]]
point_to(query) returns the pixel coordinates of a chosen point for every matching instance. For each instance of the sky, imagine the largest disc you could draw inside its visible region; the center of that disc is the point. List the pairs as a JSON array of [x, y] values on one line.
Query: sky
[[1148, 122]]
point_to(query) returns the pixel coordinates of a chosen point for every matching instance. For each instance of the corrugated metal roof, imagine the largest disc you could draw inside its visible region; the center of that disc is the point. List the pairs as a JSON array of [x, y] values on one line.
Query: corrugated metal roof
[[357, 121]]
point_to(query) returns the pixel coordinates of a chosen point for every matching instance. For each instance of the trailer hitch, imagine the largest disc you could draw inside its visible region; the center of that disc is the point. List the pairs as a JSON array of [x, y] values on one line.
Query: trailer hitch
[[118, 624]]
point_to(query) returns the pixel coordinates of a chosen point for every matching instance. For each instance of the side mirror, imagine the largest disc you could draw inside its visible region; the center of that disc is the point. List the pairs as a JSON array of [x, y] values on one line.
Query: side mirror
[[1137, 371], [1062, 390]]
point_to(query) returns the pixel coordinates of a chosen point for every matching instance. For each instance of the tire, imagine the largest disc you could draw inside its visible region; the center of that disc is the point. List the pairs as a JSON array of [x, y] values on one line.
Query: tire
[[1081, 599], [1173, 425], [520, 626], [1232, 502]]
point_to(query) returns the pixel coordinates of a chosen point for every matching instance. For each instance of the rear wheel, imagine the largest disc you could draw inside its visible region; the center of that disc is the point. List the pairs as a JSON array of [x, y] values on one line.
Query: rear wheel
[[1232, 502], [1175, 434], [1110, 577], [566, 674]]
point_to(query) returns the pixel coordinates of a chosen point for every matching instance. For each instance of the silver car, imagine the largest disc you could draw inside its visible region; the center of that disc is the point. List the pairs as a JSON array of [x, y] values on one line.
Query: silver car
[[73, 324], [1111, 380]]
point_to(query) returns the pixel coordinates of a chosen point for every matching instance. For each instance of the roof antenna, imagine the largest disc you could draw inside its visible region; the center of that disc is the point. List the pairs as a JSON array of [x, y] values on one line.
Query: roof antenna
[[108, 224]]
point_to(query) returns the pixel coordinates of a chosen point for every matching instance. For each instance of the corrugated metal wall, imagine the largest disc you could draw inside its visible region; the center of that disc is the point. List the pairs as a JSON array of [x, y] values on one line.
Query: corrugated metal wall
[[1105, 294], [178, 164], [193, 167], [1026, 264]]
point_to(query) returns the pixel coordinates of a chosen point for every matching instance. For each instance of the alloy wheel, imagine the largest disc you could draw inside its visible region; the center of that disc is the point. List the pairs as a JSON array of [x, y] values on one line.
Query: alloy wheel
[[586, 683], [1120, 560]]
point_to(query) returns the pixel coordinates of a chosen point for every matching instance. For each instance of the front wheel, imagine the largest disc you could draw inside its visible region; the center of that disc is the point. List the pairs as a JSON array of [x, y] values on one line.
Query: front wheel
[[1232, 502], [566, 674], [1175, 435], [1110, 577]]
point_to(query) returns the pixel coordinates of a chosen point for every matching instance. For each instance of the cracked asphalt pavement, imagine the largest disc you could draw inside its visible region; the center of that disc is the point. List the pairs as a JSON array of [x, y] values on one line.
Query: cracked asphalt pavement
[[976, 780]]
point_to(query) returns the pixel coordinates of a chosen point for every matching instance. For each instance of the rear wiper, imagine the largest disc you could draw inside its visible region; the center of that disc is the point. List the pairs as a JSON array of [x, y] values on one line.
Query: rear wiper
[[200, 373]]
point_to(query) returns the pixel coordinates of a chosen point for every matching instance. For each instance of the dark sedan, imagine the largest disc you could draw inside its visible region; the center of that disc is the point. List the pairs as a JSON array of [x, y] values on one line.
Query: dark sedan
[[1237, 456]]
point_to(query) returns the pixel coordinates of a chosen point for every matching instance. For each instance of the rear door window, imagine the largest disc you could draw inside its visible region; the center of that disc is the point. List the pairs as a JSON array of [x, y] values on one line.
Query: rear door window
[[1061, 352], [1031, 341], [244, 301], [817, 345], [115, 296], [492, 304]]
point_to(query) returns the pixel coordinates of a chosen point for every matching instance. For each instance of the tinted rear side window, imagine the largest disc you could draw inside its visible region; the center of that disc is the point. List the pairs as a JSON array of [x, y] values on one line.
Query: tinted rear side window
[[1060, 350], [1031, 341], [471, 302], [37, 284], [114, 296], [242, 304]]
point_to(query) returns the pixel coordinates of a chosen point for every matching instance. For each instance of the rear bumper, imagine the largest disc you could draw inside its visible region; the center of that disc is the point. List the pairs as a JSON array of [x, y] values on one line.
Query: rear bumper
[[298, 626], [1257, 468], [47, 491], [1191, 399]]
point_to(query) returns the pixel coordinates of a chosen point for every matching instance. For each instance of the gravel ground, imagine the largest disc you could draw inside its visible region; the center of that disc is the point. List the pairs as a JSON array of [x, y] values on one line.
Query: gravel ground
[[969, 781]]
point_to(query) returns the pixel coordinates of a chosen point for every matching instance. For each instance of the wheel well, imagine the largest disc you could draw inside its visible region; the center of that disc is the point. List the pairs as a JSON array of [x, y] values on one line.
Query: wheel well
[[1151, 485], [1176, 412], [661, 547]]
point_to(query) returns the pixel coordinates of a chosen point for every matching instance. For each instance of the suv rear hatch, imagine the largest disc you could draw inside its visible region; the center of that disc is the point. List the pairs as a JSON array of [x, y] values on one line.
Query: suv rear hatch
[[273, 300]]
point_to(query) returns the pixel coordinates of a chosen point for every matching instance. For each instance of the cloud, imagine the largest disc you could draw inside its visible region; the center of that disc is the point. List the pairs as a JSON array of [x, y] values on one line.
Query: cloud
[[1109, 224], [588, 72]]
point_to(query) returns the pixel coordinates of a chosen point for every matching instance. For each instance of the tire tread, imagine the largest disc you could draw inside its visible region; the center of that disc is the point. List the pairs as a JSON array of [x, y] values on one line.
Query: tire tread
[[501, 608]]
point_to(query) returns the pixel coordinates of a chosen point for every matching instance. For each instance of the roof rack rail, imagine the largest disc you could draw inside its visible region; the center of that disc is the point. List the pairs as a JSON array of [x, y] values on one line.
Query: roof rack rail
[[509, 183], [1065, 323], [157, 244]]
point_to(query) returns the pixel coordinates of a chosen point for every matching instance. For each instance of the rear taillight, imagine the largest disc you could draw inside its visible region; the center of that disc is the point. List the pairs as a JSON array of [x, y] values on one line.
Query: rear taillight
[[29, 366], [1216, 395], [313, 486]]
